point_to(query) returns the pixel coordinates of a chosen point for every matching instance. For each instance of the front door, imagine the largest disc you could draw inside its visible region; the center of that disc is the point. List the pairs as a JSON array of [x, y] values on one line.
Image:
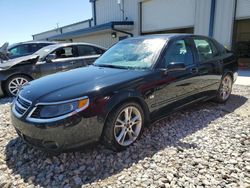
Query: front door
[[66, 58], [177, 86]]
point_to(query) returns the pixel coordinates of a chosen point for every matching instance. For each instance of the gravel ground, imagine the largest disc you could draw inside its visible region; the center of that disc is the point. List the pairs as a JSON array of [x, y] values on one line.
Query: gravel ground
[[207, 145]]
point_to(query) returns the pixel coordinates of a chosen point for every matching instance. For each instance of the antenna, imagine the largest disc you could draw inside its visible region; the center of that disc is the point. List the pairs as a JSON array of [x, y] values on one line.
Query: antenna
[[121, 5]]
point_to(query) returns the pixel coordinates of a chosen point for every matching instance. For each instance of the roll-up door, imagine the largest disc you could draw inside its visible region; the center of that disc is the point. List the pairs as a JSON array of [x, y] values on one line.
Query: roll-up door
[[243, 9], [160, 15]]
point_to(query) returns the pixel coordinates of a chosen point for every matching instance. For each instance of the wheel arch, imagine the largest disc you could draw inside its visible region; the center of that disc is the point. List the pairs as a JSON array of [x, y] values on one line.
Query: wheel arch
[[228, 72], [118, 100]]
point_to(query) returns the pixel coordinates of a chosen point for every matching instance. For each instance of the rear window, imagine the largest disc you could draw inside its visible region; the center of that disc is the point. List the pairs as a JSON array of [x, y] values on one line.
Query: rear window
[[204, 49], [85, 50], [220, 47]]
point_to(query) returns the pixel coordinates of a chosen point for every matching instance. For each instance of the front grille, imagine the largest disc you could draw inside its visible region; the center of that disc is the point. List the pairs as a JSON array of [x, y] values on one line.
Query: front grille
[[21, 105]]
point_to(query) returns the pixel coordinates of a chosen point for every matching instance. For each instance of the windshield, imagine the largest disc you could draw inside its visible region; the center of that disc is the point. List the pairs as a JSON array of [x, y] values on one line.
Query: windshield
[[132, 54], [43, 52]]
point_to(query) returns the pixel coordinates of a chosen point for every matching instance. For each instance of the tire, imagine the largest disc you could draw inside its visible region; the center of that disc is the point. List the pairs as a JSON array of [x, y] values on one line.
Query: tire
[[14, 84], [115, 126], [225, 89]]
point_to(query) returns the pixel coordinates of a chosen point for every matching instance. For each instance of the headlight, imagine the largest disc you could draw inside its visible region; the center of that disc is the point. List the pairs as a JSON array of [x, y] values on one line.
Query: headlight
[[57, 110], [46, 112]]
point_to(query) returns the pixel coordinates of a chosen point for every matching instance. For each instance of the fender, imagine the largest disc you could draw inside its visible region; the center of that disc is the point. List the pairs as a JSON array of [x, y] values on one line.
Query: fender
[[4, 75], [122, 96]]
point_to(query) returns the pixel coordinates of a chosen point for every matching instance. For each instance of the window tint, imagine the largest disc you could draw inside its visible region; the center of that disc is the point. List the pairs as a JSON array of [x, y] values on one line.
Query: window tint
[[19, 50], [178, 52], [204, 49], [65, 52], [85, 50], [34, 48], [221, 48], [99, 50]]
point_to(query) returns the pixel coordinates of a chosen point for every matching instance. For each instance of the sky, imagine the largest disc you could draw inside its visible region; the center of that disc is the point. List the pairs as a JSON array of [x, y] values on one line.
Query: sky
[[20, 19]]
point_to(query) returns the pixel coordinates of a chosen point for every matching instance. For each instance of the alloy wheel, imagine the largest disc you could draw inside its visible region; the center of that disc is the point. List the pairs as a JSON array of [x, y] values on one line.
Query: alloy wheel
[[128, 126], [226, 87], [16, 84]]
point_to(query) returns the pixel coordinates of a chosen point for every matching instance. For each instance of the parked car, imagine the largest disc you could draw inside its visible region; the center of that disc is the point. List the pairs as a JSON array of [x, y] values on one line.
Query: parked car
[[26, 48], [48, 60], [137, 81]]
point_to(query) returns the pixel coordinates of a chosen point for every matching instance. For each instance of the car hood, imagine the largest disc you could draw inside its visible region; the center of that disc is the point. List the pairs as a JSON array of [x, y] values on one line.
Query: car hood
[[78, 83], [21, 60]]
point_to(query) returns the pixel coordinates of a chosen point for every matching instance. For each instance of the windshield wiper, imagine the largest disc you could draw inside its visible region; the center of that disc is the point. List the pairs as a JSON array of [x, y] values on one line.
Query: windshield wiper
[[111, 66]]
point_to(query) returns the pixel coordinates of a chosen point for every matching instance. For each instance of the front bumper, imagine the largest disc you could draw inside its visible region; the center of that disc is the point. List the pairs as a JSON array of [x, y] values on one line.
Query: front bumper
[[235, 76], [60, 136]]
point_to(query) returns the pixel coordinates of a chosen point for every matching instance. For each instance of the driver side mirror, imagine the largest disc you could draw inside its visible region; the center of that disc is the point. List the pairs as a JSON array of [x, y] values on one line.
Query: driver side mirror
[[50, 57], [176, 66]]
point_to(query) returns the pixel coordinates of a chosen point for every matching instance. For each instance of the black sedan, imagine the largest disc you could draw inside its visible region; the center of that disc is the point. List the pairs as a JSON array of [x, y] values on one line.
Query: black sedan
[[137, 81], [15, 73]]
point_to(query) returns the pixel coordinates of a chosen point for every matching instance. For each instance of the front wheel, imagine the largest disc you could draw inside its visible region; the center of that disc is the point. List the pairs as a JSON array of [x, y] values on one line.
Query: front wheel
[[123, 126], [225, 89], [15, 83]]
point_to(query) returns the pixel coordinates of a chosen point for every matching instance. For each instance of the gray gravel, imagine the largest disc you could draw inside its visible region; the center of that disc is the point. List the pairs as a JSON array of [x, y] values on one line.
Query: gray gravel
[[207, 145]]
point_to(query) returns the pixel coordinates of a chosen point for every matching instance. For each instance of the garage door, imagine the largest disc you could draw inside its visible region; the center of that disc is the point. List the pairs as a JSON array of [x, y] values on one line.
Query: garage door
[[243, 9], [159, 15]]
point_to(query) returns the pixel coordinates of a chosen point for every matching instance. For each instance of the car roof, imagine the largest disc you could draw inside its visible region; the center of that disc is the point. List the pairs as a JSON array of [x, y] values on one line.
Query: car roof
[[167, 36], [31, 42], [58, 45]]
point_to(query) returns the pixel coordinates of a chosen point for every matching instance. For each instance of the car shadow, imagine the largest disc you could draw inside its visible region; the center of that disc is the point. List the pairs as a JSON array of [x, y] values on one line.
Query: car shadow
[[6, 100], [97, 163]]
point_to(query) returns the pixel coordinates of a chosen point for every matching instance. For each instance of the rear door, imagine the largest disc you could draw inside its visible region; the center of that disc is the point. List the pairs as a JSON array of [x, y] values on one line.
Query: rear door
[[210, 64]]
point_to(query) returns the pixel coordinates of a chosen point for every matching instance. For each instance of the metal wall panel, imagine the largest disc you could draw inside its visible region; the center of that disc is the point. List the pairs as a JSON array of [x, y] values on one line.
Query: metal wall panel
[[102, 39], [160, 15], [75, 27], [243, 9], [109, 10], [224, 19], [47, 34], [202, 17]]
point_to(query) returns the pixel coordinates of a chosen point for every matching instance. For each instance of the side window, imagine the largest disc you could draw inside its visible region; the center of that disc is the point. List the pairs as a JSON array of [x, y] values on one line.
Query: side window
[[33, 48], [65, 52], [178, 52], [204, 49], [84, 50], [19, 50], [221, 48], [99, 51]]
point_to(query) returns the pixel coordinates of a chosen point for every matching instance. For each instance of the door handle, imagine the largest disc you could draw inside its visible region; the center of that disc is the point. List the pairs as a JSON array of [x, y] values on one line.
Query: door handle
[[194, 70]]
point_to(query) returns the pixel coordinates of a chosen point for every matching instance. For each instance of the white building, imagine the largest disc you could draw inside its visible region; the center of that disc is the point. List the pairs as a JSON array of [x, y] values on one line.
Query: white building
[[228, 21]]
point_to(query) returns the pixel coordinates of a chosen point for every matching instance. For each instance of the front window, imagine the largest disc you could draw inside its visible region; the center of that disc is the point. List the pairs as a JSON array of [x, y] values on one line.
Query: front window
[[65, 52], [43, 52], [132, 54], [178, 52]]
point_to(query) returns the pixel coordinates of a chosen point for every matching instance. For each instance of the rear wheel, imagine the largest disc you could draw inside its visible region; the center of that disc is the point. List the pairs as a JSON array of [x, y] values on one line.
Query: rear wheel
[[123, 126], [15, 83], [225, 89]]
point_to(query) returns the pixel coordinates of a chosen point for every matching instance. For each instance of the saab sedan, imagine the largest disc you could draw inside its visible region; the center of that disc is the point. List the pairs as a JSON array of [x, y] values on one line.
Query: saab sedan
[[137, 81]]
